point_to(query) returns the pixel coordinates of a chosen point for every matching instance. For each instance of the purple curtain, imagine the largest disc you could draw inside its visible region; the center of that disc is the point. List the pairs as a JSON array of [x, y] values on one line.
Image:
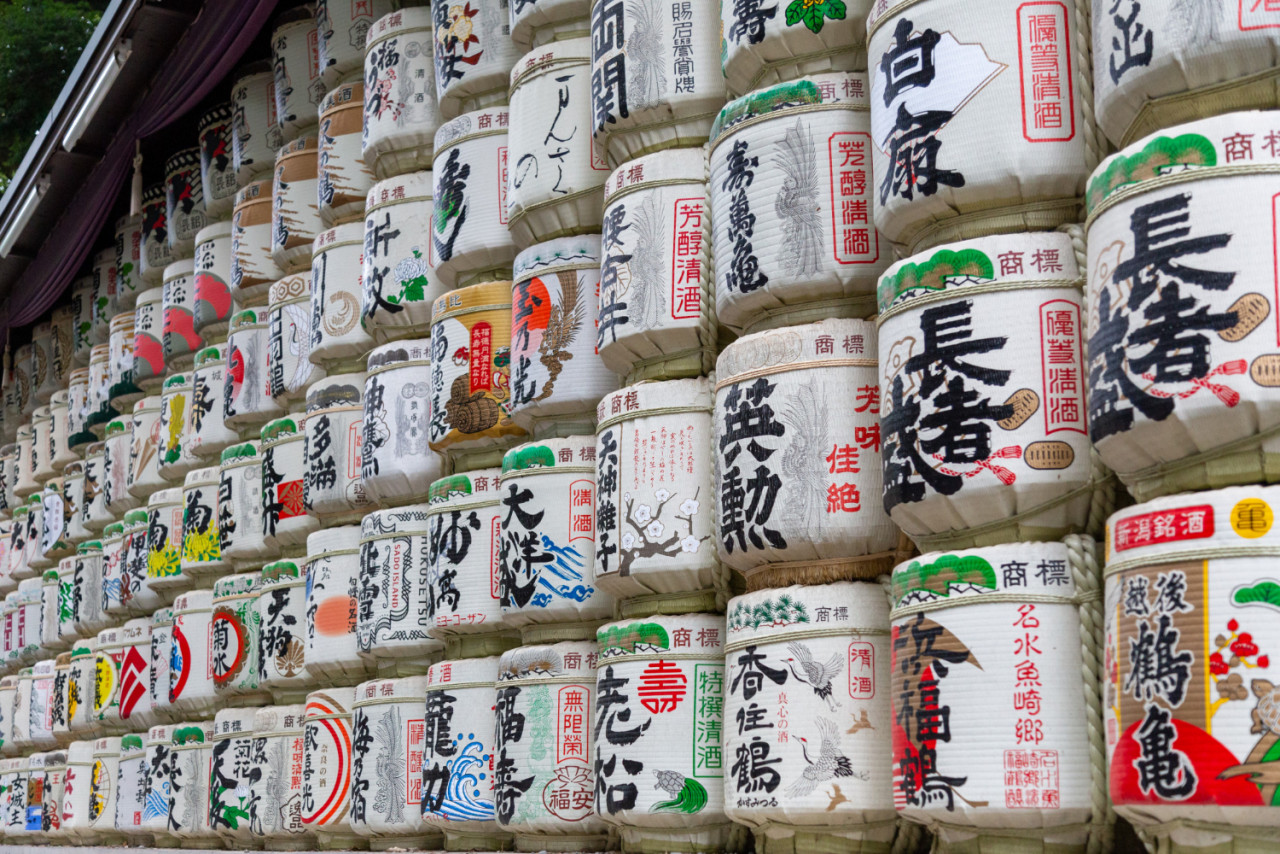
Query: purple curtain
[[209, 49]]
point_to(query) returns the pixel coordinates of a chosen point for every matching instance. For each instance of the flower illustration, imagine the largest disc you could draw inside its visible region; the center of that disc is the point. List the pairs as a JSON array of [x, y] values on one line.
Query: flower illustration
[[655, 529], [689, 507], [628, 540], [662, 495], [643, 514], [689, 544]]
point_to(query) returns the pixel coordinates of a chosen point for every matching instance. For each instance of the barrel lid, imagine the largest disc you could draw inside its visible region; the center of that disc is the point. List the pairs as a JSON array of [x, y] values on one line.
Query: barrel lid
[[657, 169], [575, 659], [172, 495], [483, 122], [573, 451], [791, 348], [402, 189], [186, 158], [213, 231], [215, 115], [200, 477], [479, 486], [179, 269], [150, 296], [563, 253], [388, 356], [841, 87], [395, 522], [391, 24], [334, 391], [466, 671], [340, 538], [644, 398], [291, 287]]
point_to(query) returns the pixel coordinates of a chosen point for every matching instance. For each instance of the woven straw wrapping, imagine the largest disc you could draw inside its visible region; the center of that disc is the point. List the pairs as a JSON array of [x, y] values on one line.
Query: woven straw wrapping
[[61, 452], [130, 785], [397, 464], [100, 409], [115, 464], [399, 282], [134, 698], [255, 135], [179, 339], [297, 86], [253, 268], [326, 764], [246, 400], [121, 389], [191, 691], [536, 23], [138, 593], [160, 664], [473, 54], [295, 209], [165, 508], [332, 488], [282, 614], [112, 574], [103, 309], [128, 264], [333, 591], [337, 293], [144, 452], [213, 308], [240, 519], [465, 517], [82, 303], [42, 359], [41, 446], [284, 475], [191, 756], [343, 176], [148, 341], [210, 434], [106, 696], [764, 45], [156, 253], [80, 814], [289, 367], [184, 201], [202, 555], [229, 779], [236, 643], [400, 110], [275, 787], [394, 602]]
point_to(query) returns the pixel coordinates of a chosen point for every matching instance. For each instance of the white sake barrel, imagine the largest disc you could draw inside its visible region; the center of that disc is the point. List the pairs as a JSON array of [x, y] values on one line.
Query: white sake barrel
[[764, 45], [470, 241], [148, 340], [26, 483], [337, 334], [282, 617], [175, 458], [332, 489], [103, 784], [180, 340], [957, 662], [77, 806], [212, 311], [8, 477], [803, 666], [12, 412], [557, 378], [399, 283], [397, 465], [50, 600], [657, 308], [106, 695], [797, 460], [275, 783], [191, 690], [473, 54], [247, 403], [60, 409], [464, 547], [656, 79], [55, 781], [535, 23], [289, 368], [13, 796], [41, 444], [112, 572], [63, 343], [326, 767], [158, 798], [296, 76], [12, 630], [7, 584], [457, 785], [201, 540], [57, 700], [388, 757], [285, 520], [544, 787], [116, 450], [139, 596], [295, 212], [55, 542], [42, 380], [235, 645], [161, 660], [217, 168], [128, 263], [343, 29], [1024, 471], [252, 267], [1201, 413], [557, 173], [342, 175], [255, 134], [20, 736], [99, 409], [66, 634], [240, 520], [121, 389], [165, 510], [87, 578], [660, 765], [133, 694], [190, 761], [333, 601], [22, 368], [33, 561], [210, 434], [395, 599], [30, 600], [144, 453], [1017, 79], [655, 508], [229, 775], [549, 534], [41, 711], [184, 201], [105, 306], [400, 110], [8, 696], [18, 552], [82, 687], [156, 253], [76, 532]]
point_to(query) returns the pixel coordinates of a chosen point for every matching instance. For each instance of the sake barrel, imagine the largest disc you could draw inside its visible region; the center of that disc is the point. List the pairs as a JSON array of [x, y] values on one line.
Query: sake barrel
[[217, 167], [33, 560], [180, 339], [93, 510], [212, 312], [460, 715], [282, 618], [73, 494], [285, 520], [326, 767], [234, 648], [247, 403], [12, 412], [148, 340], [337, 335], [927, 191], [82, 687], [67, 633], [100, 409], [105, 305], [191, 690], [41, 711], [41, 445], [190, 759], [806, 400], [229, 777], [399, 284], [55, 543], [156, 253], [297, 88], [112, 572], [175, 458], [30, 600], [128, 231], [116, 450], [134, 697], [8, 696], [26, 483], [538, 22], [159, 796], [13, 796], [1198, 415], [7, 583], [17, 557], [388, 758], [64, 321], [184, 200], [55, 781], [397, 466], [656, 307], [473, 54], [343, 29], [22, 370], [161, 659], [42, 359], [240, 507], [106, 696], [121, 389], [394, 599], [86, 597], [332, 609], [136, 591], [8, 478], [471, 358], [1033, 478], [295, 214], [646, 97], [252, 267], [803, 666], [289, 368], [60, 410], [164, 543], [255, 134], [105, 799], [400, 110], [201, 539], [210, 434], [58, 698], [762, 47], [21, 734], [332, 489], [546, 796], [659, 761], [470, 242], [275, 783], [343, 176], [76, 804], [557, 174], [13, 630]]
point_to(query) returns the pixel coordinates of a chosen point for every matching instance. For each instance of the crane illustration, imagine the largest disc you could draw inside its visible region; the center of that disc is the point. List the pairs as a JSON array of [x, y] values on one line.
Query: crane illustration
[[817, 676], [829, 764]]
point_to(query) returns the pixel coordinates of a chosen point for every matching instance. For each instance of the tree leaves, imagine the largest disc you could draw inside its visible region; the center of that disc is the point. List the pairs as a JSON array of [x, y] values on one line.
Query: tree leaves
[[814, 13]]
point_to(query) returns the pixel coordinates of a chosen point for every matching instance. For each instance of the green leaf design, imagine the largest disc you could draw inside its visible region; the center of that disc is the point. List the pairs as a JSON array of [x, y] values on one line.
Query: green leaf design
[[414, 290], [814, 13], [1262, 593]]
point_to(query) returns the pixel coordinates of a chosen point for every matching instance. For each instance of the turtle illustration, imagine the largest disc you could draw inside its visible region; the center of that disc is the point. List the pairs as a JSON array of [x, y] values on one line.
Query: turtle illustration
[[688, 795]]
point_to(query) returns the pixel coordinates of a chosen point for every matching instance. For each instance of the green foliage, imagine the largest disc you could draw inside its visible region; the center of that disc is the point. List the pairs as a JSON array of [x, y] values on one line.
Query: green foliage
[[814, 13], [1262, 593]]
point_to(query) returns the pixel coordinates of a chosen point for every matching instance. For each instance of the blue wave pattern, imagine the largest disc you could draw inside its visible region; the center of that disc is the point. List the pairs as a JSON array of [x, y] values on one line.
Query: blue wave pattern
[[567, 569], [468, 778], [157, 805]]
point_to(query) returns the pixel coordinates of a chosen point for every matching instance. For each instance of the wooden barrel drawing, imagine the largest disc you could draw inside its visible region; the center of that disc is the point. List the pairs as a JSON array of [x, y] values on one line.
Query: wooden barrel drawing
[[400, 110]]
